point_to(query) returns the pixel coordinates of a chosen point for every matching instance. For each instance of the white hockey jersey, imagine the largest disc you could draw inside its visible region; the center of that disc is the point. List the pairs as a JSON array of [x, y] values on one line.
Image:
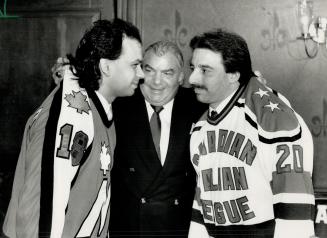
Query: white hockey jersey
[[62, 180], [254, 166]]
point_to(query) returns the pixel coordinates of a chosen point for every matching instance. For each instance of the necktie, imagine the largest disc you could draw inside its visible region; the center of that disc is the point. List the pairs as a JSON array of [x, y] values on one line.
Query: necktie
[[213, 115], [155, 125]]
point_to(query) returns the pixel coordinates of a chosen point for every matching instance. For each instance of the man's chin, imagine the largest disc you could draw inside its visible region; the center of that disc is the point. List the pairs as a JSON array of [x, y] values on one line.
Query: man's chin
[[156, 101], [200, 98], [128, 93], [198, 91], [131, 93]]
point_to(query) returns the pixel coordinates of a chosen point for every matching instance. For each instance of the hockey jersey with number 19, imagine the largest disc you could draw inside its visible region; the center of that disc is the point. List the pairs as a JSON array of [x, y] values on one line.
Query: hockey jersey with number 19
[[254, 165], [62, 180]]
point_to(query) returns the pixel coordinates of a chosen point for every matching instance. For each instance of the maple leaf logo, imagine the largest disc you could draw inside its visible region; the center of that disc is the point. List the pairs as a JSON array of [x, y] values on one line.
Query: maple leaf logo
[[77, 100], [105, 158]]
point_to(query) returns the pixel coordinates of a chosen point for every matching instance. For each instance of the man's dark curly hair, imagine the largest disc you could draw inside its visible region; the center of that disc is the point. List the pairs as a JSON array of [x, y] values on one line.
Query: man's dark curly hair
[[233, 49], [103, 40]]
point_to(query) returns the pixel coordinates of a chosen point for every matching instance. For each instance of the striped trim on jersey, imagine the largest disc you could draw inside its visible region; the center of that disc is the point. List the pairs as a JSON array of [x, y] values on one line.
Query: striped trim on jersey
[[264, 229], [47, 169], [294, 211], [220, 116], [276, 139], [285, 188], [99, 107]]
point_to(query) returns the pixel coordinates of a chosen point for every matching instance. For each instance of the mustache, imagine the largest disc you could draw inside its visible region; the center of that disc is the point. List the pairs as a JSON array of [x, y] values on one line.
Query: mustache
[[198, 86]]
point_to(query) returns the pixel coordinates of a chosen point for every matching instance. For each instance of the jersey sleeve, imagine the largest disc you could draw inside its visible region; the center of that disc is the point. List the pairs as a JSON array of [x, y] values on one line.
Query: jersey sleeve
[[292, 185], [286, 147], [291, 158], [74, 135], [9, 225], [23, 212]]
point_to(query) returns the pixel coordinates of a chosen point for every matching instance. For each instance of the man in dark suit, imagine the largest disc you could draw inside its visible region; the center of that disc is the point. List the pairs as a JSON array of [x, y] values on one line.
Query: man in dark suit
[[153, 180]]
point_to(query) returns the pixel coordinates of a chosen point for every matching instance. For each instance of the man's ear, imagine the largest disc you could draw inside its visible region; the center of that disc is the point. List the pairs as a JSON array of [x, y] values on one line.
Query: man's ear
[[181, 78], [233, 77], [104, 67], [260, 77]]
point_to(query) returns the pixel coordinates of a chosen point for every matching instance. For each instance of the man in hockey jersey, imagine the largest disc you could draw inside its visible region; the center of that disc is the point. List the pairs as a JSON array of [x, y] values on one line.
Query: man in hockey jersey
[[62, 180], [252, 152]]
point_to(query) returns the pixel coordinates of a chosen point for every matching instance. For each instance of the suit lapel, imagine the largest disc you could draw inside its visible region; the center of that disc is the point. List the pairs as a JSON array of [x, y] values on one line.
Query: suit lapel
[[145, 143], [174, 137]]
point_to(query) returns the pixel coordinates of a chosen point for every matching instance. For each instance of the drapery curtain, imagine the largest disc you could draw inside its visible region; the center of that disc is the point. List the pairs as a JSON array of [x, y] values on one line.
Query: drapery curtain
[[130, 10]]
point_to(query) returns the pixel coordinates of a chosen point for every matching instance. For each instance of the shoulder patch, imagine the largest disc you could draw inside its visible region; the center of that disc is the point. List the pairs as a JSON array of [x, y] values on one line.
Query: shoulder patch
[[268, 110]]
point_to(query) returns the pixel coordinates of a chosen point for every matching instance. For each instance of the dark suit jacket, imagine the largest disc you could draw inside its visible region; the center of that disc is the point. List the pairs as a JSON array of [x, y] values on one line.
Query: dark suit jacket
[[149, 199]]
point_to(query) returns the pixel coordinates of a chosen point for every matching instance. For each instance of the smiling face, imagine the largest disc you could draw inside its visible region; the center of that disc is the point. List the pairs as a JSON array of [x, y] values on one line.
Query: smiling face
[[126, 71], [209, 79], [162, 76]]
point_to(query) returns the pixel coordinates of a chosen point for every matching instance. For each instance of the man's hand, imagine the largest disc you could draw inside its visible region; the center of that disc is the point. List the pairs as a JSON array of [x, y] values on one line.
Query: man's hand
[[58, 69]]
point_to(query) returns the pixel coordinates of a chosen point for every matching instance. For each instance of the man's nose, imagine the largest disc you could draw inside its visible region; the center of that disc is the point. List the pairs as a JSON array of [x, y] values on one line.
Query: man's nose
[[193, 78], [157, 78], [139, 72]]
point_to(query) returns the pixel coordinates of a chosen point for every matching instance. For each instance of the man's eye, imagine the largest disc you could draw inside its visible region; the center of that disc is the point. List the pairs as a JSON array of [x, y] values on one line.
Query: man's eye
[[192, 68], [204, 71], [168, 73]]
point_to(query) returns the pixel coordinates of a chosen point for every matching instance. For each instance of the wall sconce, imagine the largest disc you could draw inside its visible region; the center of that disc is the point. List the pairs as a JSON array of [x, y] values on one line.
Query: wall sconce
[[312, 28]]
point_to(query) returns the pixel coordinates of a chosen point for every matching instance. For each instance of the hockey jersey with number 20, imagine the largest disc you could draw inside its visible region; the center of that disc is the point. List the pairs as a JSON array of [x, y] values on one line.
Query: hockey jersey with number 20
[[254, 164]]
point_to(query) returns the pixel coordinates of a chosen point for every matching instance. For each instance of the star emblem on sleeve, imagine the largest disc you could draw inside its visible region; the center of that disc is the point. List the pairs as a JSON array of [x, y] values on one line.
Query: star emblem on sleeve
[[272, 106], [262, 93]]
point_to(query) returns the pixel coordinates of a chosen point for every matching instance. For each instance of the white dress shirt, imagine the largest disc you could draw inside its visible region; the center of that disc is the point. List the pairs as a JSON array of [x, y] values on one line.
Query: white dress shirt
[[165, 118], [107, 107]]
